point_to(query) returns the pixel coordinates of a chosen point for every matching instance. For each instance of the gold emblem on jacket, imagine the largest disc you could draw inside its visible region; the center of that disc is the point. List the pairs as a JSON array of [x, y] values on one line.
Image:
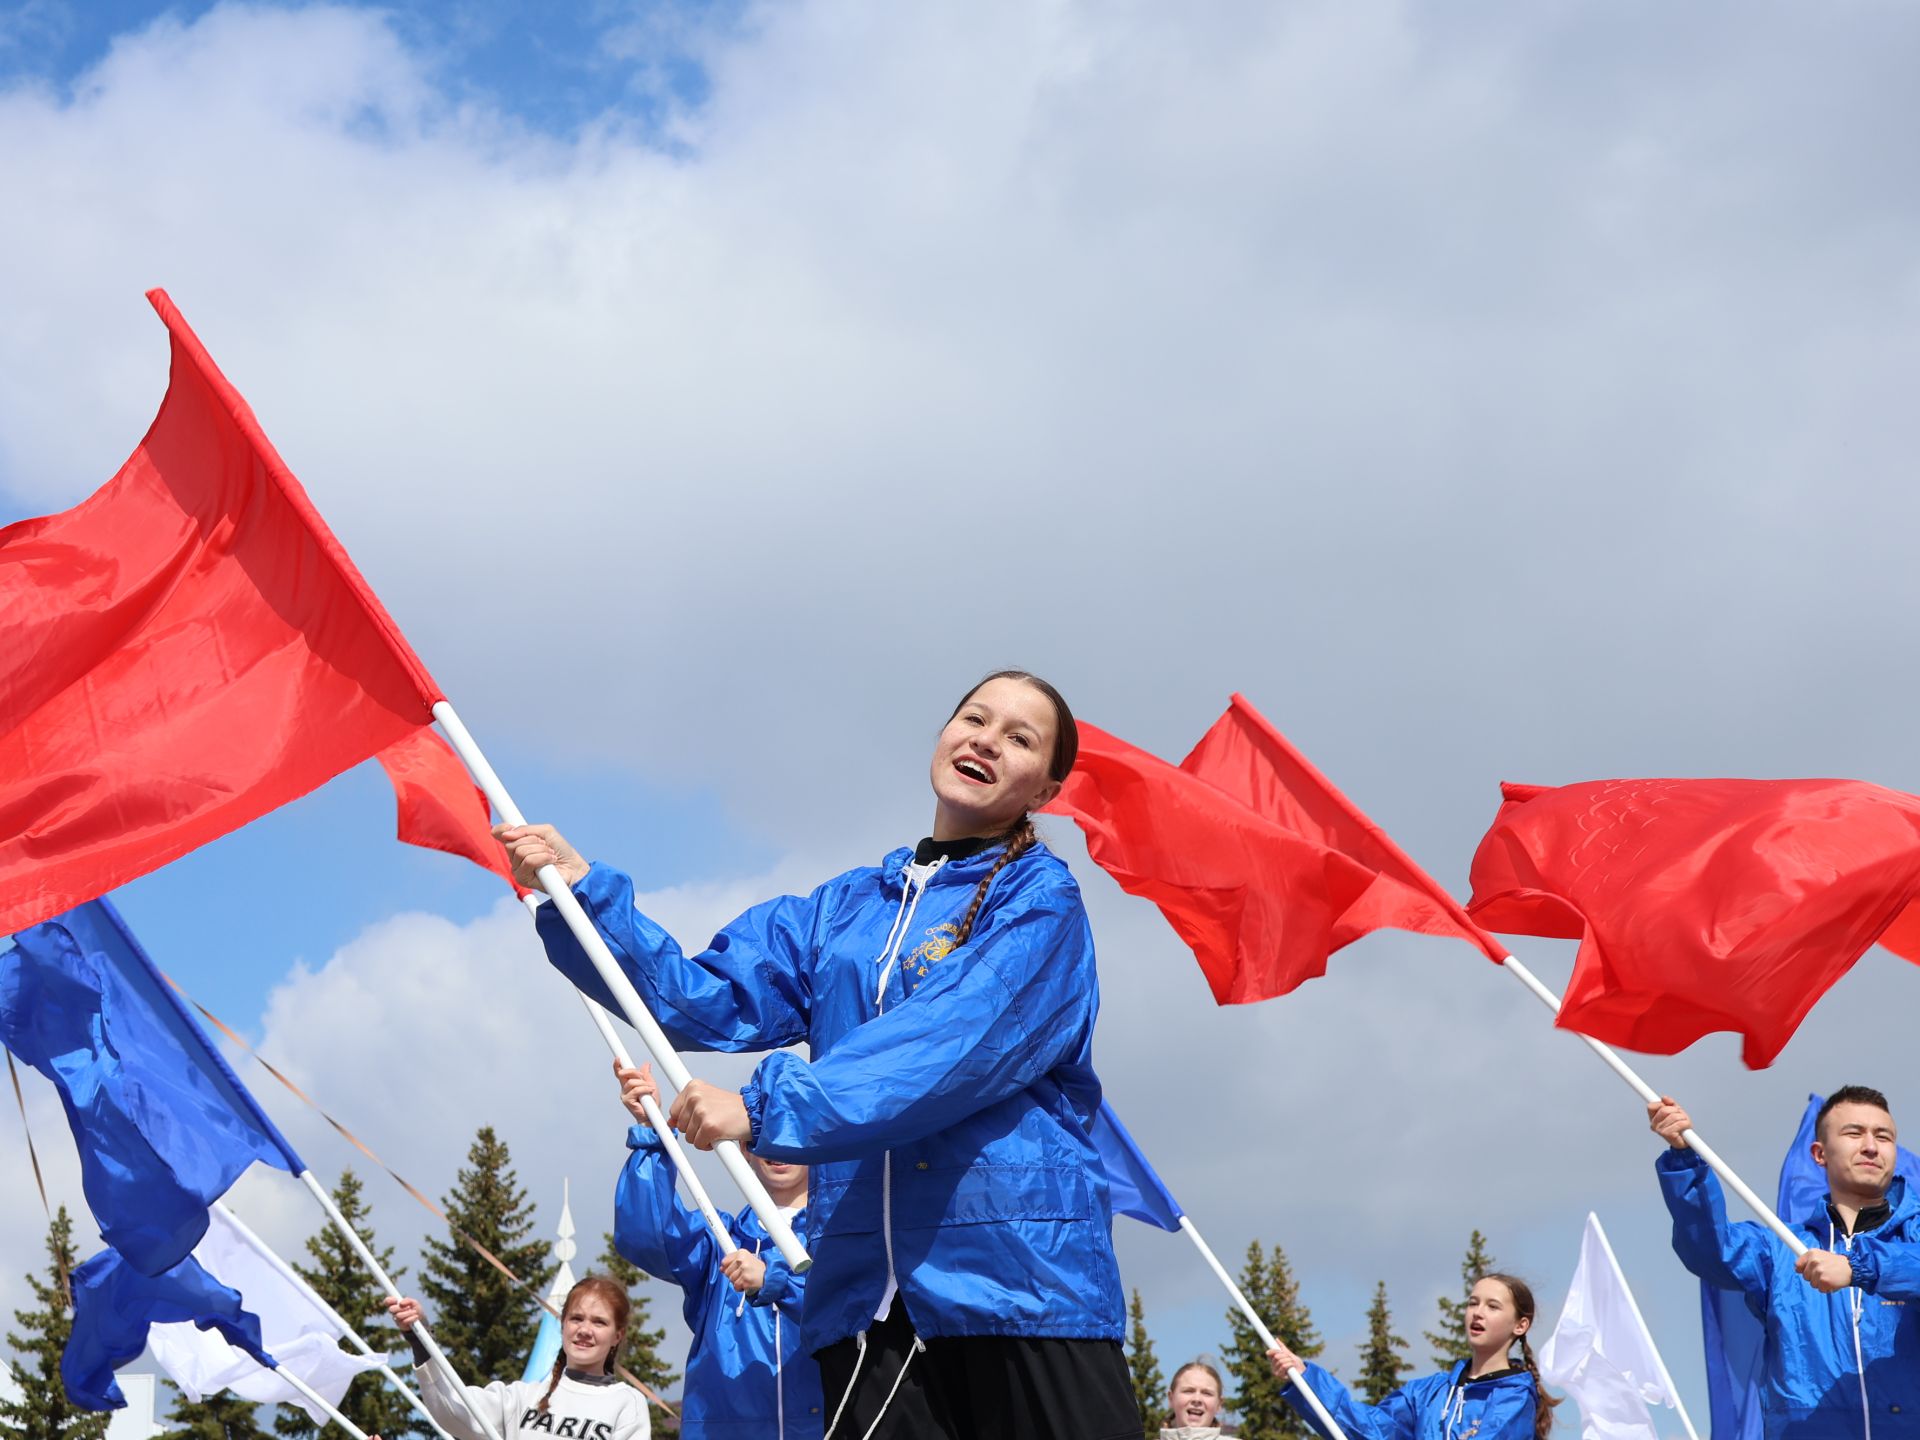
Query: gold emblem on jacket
[[936, 947]]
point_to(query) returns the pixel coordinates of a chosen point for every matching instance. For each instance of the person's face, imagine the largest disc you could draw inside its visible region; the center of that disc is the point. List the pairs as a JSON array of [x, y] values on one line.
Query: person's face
[[588, 1333], [1857, 1146], [1194, 1399], [990, 762], [1492, 1323], [778, 1175]]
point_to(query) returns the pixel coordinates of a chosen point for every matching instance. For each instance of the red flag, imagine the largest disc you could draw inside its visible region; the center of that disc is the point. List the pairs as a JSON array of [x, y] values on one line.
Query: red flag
[[1703, 905], [182, 652], [440, 806], [1258, 863]]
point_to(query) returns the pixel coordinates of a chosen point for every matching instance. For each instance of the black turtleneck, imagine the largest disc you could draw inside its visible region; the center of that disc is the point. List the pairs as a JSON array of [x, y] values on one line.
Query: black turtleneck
[[930, 849], [1870, 1217]]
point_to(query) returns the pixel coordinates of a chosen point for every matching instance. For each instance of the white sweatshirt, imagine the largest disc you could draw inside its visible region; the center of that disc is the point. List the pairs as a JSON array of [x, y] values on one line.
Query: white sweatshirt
[[578, 1410]]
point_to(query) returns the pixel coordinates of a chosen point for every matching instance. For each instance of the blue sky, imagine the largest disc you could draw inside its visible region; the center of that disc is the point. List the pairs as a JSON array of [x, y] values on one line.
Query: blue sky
[[1491, 392]]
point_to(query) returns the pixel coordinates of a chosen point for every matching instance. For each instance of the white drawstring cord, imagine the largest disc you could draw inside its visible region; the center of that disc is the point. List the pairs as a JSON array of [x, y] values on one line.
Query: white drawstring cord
[[914, 886], [1859, 1361], [918, 1346], [859, 1354]]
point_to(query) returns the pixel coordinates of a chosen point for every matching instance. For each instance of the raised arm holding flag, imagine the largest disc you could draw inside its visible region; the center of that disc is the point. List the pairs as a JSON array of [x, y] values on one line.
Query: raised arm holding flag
[[201, 649]]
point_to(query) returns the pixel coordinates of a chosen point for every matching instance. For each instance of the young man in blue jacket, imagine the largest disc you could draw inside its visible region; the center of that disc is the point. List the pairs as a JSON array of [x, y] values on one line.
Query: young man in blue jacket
[[1843, 1320], [747, 1375]]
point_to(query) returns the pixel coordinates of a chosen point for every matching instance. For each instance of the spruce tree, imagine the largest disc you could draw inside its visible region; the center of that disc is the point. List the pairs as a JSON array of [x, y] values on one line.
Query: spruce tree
[[43, 1411], [1381, 1371], [1258, 1399], [485, 1322], [640, 1352], [338, 1277], [1149, 1386], [1450, 1341], [220, 1416]]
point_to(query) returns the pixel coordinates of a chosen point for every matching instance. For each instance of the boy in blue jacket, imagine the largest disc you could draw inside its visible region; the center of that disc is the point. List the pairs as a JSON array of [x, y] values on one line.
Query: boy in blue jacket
[[1843, 1320], [746, 1373]]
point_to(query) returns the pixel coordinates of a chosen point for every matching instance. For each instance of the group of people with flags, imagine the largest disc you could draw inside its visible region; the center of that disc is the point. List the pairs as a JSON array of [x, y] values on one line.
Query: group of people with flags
[[927, 1250]]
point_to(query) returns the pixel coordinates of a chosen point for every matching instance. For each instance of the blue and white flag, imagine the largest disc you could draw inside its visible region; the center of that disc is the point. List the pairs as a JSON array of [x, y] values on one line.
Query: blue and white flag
[[1132, 1185], [114, 1306], [162, 1124]]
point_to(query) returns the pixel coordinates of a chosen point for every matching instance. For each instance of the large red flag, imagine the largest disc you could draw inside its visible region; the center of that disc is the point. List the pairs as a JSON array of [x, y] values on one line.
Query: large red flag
[[183, 651], [440, 806], [1258, 863], [1703, 905]]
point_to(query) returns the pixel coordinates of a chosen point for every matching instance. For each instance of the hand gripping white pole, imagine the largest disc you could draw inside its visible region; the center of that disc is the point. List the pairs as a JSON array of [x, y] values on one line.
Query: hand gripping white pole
[[1298, 1378], [385, 1281], [598, 1014], [1647, 1093], [672, 1068]]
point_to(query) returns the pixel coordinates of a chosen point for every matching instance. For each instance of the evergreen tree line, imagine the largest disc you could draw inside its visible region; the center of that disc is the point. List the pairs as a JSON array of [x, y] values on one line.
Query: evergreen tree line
[[484, 1322], [1255, 1398]]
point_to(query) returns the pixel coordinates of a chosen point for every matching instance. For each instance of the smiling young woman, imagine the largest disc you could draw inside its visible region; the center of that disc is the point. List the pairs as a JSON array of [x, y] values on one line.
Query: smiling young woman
[[582, 1398], [963, 1280]]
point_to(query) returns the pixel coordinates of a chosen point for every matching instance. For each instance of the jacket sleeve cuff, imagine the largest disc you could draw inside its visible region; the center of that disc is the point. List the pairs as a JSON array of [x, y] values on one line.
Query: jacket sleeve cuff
[[1865, 1260], [643, 1137], [756, 1102], [1672, 1161], [775, 1284]]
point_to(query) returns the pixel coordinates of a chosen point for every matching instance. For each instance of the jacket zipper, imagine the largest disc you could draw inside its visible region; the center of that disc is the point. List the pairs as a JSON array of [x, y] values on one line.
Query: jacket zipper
[[916, 878]]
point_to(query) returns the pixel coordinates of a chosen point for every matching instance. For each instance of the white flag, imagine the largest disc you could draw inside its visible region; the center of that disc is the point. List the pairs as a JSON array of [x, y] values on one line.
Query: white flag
[[1602, 1354], [296, 1327]]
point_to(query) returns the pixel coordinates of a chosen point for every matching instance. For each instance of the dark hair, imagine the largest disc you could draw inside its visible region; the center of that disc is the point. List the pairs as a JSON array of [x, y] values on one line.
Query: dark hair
[[1848, 1095], [1219, 1385], [1523, 1309], [616, 1298], [1066, 749]]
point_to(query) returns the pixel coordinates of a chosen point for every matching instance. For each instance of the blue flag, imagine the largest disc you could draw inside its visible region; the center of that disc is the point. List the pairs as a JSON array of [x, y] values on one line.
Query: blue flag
[[114, 1305], [1735, 1339], [546, 1349], [1134, 1188], [162, 1123]]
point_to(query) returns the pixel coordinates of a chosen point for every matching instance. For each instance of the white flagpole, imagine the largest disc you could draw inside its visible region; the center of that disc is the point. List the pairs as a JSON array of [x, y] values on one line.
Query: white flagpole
[[1647, 1093], [603, 1022], [292, 1277], [672, 1068], [385, 1281], [1666, 1378], [320, 1401], [1297, 1378]]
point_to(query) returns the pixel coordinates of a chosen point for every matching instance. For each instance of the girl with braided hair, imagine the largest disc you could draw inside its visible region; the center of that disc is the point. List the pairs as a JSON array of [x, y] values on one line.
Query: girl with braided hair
[[963, 1281], [581, 1400], [1491, 1395]]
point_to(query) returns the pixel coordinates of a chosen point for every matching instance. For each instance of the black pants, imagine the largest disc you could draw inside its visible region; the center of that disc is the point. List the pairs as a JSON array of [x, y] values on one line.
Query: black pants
[[987, 1387]]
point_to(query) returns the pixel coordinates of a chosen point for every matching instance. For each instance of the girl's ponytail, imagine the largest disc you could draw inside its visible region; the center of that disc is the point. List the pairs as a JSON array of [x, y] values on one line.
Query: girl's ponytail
[[1020, 839], [1543, 1403]]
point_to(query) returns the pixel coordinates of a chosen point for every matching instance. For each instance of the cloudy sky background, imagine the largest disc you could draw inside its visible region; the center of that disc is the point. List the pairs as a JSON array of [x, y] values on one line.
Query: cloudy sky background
[[1488, 392]]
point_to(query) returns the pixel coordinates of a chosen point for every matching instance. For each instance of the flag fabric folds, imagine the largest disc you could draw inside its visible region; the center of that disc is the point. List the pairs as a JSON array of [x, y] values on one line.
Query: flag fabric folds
[[299, 1329], [187, 649], [440, 806], [1256, 860], [1735, 1339], [1601, 1352], [115, 1306], [162, 1124], [1133, 1187], [1702, 905]]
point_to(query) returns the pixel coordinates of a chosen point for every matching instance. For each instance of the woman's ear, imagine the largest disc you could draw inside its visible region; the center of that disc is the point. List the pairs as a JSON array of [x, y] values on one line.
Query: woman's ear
[[1044, 797], [1522, 1325]]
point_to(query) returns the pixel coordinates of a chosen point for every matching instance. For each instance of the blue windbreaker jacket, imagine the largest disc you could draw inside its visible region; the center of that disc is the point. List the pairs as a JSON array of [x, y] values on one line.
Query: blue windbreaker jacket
[[1816, 1386], [945, 1106], [746, 1373], [1434, 1407]]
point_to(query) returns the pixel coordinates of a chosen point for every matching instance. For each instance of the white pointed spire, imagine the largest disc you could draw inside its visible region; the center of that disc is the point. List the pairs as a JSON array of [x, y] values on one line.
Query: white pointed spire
[[563, 1248]]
